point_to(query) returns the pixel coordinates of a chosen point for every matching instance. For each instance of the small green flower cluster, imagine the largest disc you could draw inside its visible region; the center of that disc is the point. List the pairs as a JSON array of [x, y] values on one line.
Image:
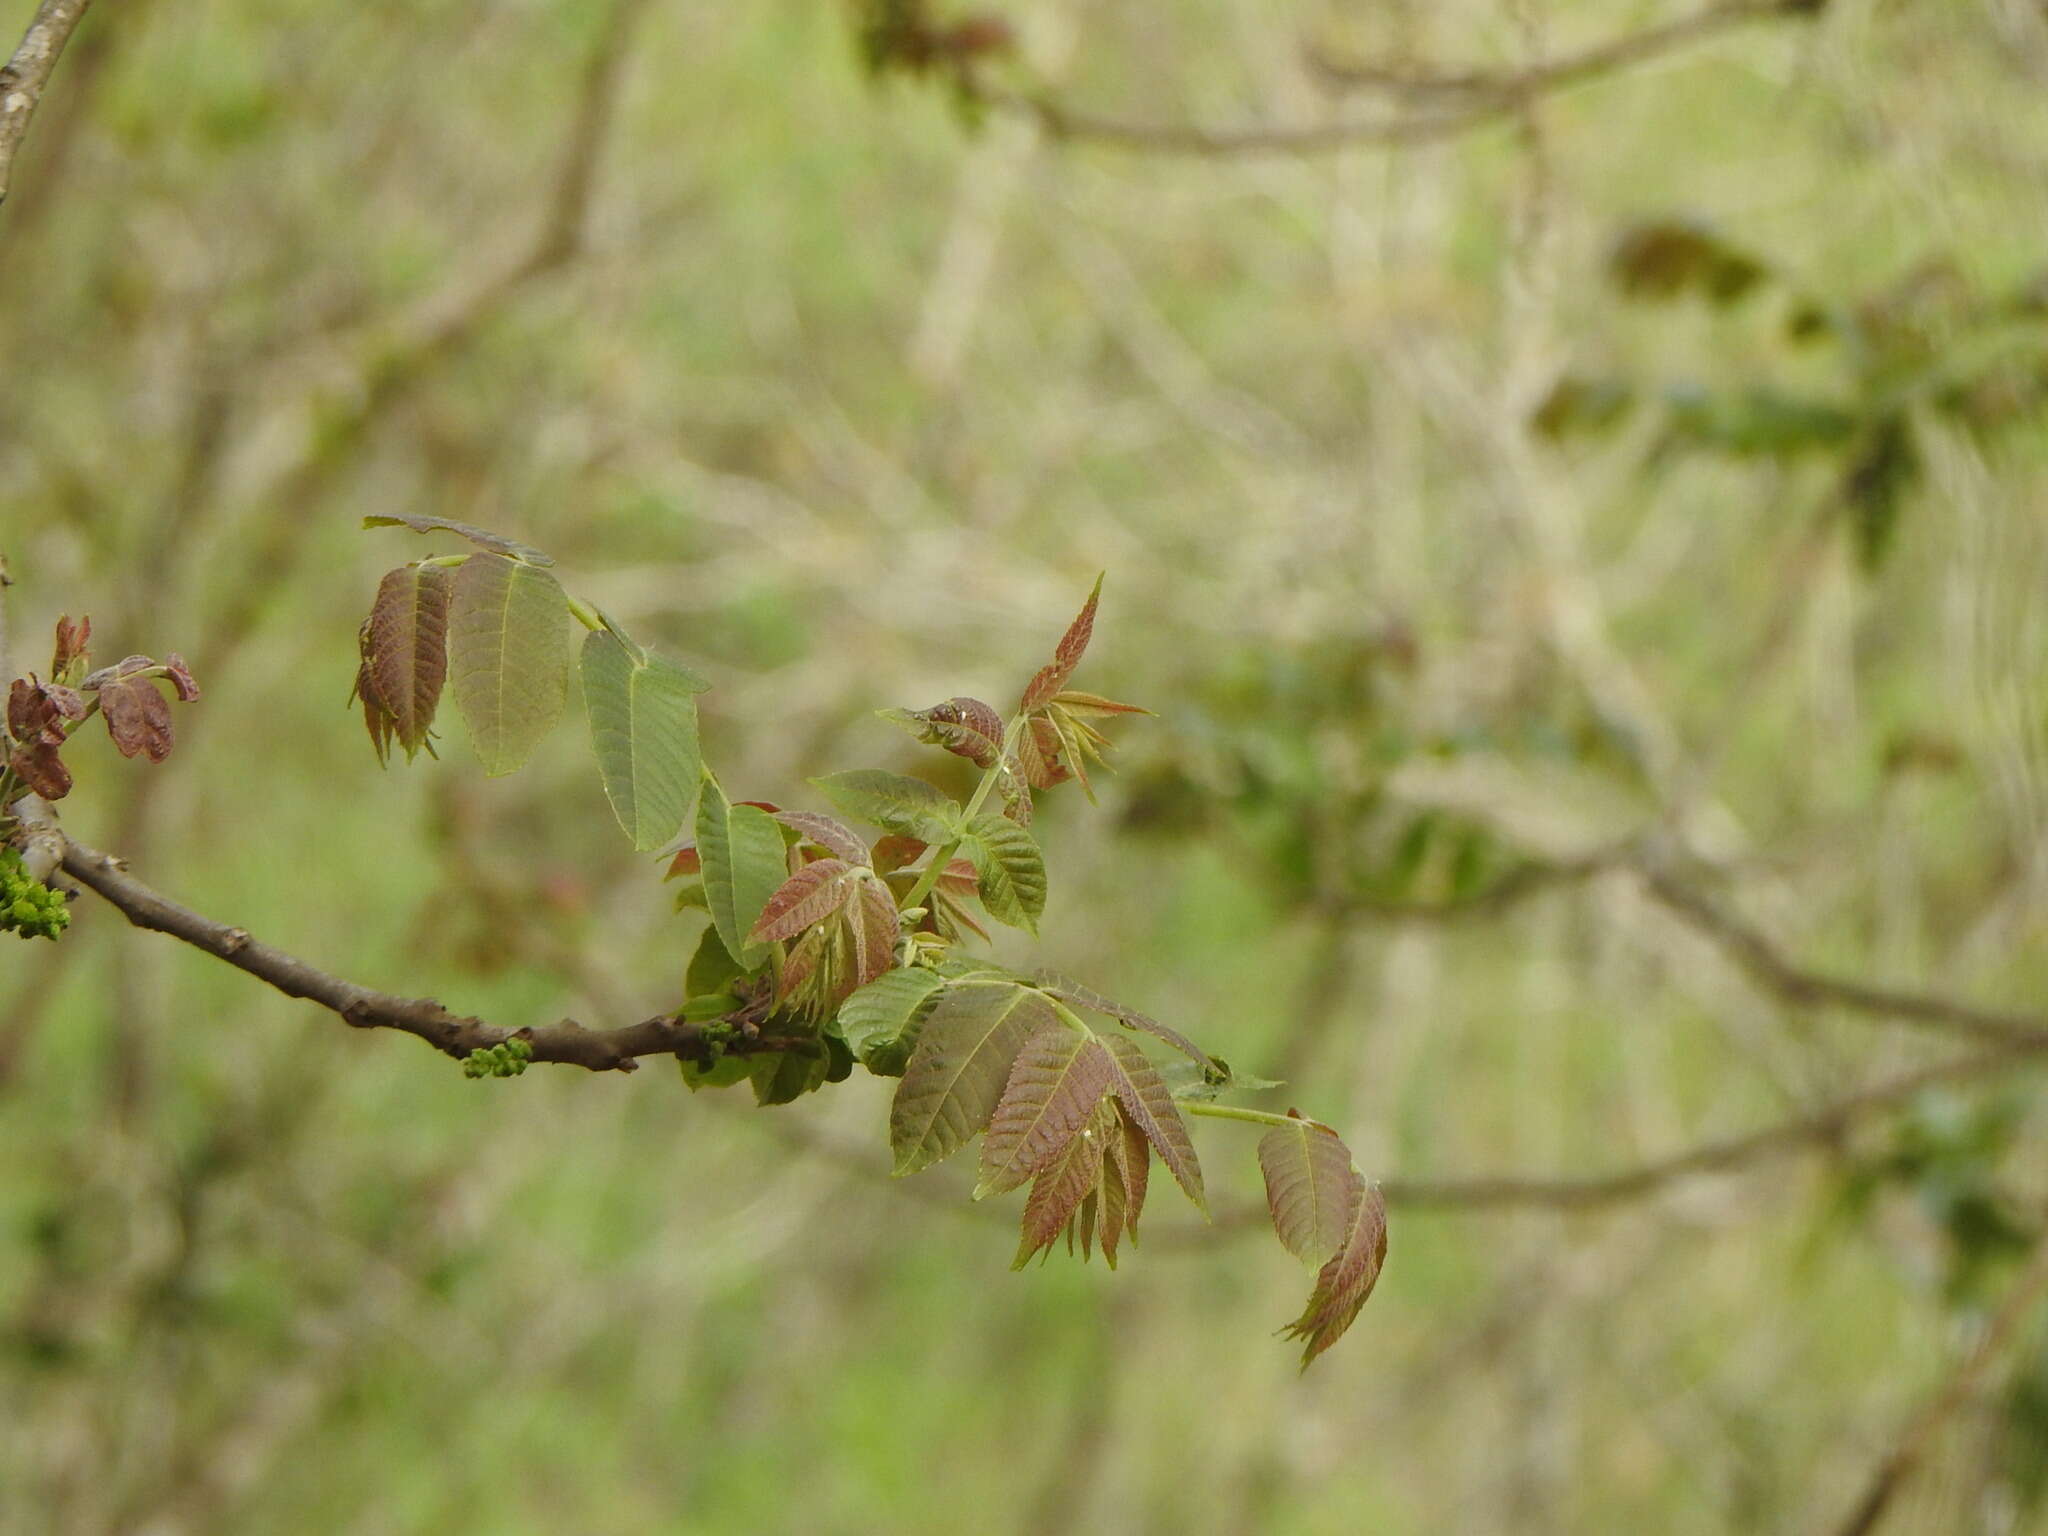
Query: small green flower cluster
[[27, 906], [506, 1059]]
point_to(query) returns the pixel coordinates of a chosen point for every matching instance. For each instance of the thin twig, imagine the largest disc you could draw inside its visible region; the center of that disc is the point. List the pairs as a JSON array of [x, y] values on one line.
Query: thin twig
[[1815, 1130], [1478, 98], [567, 1043], [1793, 984], [24, 76], [1518, 85], [1910, 1449]]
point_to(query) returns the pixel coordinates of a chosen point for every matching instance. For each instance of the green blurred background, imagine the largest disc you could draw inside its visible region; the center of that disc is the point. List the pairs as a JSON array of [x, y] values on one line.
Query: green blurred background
[[1447, 546]]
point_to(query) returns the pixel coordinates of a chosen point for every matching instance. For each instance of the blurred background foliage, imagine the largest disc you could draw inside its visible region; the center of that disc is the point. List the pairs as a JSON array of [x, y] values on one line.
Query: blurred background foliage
[[1660, 456]]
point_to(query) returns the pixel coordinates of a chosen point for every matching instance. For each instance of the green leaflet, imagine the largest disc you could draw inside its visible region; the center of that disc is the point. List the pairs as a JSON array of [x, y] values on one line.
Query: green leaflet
[[722, 1073], [893, 801], [956, 1075], [712, 969], [744, 862], [1011, 870], [643, 726], [508, 648], [880, 1022]]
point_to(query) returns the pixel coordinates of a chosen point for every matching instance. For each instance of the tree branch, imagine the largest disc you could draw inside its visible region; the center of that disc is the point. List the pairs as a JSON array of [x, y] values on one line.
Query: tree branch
[[1478, 97], [1814, 1130], [26, 74], [1910, 1449], [1778, 975], [567, 1043], [1519, 85]]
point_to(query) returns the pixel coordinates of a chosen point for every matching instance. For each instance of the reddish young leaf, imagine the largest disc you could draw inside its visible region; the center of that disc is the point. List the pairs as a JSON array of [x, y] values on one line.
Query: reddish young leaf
[[894, 850], [408, 654], [1121, 1187], [1057, 1081], [1147, 1100], [804, 900], [39, 767], [376, 713], [36, 708], [138, 718], [1348, 1278], [873, 928], [1038, 755], [181, 679], [1066, 655], [71, 641], [686, 862], [965, 727], [1056, 1194], [1308, 1187], [828, 832]]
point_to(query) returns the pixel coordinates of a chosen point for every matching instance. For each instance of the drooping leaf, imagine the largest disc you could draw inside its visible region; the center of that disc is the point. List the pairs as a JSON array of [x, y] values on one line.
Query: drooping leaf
[[1308, 1187], [965, 727], [880, 1022], [804, 900], [408, 649], [1010, 870], [744, 863], [508, 652], [893, 801], [138, 717], [1069, 991], [829, 833], [483, 538], [1344, 1283], [1120, 1188], [376, 713], [1147, 1100], [1066, 656], [1058, 1078], [39, 766], [956, 1074], [1056, 1195], [643, 727], [180, 677]]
